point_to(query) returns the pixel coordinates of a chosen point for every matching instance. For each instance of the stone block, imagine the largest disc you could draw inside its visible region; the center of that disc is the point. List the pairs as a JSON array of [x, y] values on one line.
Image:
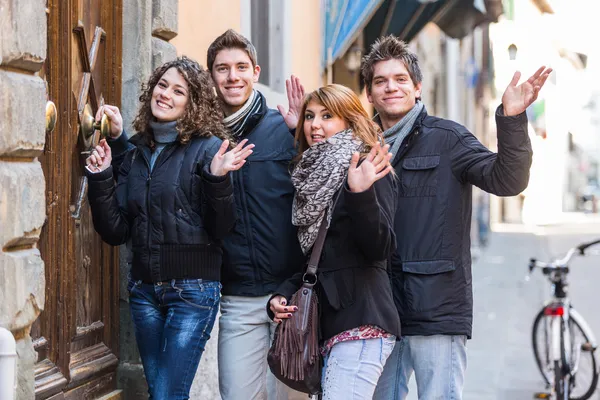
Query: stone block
[[22, 284], [26, 358], [206, 381], [164, 18], [22, 114], [162, 52], [23, 33], [131, 379], [22, 203], [137, 55]]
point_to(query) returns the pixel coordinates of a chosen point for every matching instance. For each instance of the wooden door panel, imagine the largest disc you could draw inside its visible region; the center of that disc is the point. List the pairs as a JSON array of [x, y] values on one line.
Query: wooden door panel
[[76, 336]]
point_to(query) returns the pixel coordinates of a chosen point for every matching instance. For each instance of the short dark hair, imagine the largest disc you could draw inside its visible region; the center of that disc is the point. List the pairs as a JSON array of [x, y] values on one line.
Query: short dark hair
[[390, 48], [230, 40]]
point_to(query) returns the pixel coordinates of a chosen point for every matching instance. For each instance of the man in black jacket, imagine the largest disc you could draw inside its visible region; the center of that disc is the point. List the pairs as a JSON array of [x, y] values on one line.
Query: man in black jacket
[[262, 250], [437, 161]]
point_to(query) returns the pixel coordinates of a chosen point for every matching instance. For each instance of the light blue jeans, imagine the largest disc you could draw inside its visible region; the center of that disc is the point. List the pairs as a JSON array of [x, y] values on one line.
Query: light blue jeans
[[439, 363], [352, 368], [245, 335]]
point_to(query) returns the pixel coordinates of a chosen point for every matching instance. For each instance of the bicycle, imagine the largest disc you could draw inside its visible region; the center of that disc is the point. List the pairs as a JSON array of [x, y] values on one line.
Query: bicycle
[[563, 342]]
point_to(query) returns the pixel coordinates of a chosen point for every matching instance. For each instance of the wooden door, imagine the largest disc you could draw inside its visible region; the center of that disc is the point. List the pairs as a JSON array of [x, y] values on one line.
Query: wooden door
[[76, 336]]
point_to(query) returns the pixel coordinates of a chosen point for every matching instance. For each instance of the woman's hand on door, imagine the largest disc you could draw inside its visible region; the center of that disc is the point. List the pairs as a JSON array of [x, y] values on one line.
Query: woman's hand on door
[[100, 158], [115, 118]]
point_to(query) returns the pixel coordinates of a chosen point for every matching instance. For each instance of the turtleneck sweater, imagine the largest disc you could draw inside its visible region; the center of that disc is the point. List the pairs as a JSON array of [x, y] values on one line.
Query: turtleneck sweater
[[164, 134]]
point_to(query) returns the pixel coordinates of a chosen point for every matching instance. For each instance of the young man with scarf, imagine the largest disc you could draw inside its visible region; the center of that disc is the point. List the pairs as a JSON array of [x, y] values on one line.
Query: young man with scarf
[[437, 161], [262, 250]]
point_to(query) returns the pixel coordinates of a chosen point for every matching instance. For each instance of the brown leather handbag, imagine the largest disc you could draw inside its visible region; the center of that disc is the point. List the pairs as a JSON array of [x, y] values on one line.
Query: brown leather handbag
[[294, 356]]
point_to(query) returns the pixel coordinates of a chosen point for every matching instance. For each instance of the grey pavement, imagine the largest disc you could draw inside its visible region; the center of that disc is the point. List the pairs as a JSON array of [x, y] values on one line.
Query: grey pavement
[[500, 358]]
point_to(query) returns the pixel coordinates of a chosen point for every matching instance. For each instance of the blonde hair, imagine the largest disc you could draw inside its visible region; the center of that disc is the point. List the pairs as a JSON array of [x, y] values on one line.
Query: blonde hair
[[345, 104]]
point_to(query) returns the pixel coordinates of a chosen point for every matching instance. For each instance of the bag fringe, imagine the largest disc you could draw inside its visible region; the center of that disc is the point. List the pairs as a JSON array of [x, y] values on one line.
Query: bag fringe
[[293, 341]]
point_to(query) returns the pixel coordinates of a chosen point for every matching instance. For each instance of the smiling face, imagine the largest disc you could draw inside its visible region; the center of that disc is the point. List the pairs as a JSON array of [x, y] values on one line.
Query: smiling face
[[234, 76], [169, 97], [393, 92], [320, 124]]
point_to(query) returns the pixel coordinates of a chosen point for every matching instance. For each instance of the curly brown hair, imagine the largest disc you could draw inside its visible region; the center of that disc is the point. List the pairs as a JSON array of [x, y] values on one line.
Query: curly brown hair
[[203, 115]]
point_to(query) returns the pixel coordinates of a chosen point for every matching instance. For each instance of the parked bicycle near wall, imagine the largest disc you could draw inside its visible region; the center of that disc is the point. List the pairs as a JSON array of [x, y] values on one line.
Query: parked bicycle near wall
[[563, 343]]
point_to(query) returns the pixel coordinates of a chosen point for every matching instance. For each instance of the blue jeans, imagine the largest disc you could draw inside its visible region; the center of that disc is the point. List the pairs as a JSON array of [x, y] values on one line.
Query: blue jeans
[[172, 322], [352, 368], [439, 363]]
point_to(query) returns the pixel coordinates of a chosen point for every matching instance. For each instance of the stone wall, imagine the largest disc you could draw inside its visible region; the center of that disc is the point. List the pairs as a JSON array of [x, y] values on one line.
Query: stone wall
[[22, 185]]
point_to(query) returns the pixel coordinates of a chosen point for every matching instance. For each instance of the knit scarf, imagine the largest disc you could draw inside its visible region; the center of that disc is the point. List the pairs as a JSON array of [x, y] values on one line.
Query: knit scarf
[[395, 135], [236, 122], [318, 176]]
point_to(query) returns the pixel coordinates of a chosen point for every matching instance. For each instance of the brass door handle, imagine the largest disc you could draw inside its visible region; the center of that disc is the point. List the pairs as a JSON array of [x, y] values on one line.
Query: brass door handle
[[51, 116], [89, 125]]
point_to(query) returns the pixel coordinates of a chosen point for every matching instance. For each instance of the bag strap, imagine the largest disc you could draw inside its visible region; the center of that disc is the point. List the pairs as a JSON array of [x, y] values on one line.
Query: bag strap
[[317, 249]]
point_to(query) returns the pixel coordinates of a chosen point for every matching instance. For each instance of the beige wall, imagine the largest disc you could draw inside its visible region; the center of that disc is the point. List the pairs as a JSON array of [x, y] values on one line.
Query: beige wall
[[307, 42], [200, 22]]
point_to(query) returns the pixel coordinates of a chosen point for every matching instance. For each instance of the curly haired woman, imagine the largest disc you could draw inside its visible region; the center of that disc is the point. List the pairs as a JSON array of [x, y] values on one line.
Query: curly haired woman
[[173, 202]]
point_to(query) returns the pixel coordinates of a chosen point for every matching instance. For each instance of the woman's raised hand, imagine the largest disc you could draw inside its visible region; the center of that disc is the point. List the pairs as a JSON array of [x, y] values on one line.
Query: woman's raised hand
[[232, 160], [280, 309], [115, 118], [374, 167], [100, 157]]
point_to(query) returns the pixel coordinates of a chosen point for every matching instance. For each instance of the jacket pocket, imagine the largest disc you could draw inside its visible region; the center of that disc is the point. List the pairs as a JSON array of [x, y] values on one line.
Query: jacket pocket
[[428, 285], [339, 287], [420, 176]]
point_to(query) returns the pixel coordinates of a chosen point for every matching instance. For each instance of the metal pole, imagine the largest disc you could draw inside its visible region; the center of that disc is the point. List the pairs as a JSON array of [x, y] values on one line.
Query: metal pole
[[8, 364]]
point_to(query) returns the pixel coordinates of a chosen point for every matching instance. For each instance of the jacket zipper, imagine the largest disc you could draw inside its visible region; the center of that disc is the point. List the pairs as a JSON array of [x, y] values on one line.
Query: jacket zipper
[[148, 181]]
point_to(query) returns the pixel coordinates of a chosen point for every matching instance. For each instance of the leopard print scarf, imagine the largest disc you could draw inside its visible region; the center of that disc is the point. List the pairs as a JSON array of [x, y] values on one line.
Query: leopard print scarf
[[320, 173]]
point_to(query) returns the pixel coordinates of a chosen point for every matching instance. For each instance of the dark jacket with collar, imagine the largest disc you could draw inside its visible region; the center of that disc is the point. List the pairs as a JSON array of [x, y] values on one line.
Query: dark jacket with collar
[[352, 278], [437, 165], [262, 250], [175, 215]]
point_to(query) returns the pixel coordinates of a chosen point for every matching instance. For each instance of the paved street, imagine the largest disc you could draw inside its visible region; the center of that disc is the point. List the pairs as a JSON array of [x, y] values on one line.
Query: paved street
[[500, 359]]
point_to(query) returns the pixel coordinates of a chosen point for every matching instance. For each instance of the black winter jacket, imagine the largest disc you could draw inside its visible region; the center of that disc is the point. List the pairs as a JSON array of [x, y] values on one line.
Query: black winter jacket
[[352, 279], [262, 250], [175, 215], [437, 164]]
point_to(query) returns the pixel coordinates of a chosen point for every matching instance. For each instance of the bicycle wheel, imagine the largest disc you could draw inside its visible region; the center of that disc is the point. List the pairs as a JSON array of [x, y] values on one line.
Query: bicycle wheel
[[582, 361], [540, 337]]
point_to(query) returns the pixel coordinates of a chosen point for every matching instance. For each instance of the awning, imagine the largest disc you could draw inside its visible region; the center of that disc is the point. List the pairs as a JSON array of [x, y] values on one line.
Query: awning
[[406, 18], [344, 20]]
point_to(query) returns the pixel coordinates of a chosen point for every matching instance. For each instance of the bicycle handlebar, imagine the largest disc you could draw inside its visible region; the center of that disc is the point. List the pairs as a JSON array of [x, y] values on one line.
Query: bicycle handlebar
[[563, 262], [584, 246]]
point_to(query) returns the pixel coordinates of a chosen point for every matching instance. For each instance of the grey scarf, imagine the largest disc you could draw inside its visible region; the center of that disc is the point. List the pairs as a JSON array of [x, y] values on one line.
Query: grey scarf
[[318, 176], [395, 135]]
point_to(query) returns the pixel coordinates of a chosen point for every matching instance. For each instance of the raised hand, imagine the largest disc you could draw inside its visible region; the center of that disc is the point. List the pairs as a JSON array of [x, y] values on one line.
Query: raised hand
[[116, 120], [232, 160], [374, 167], [295, 95], [516, 99], [100, 158]]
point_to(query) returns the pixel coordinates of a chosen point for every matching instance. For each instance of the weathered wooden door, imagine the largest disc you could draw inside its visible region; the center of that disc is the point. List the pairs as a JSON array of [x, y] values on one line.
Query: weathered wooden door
[[76, 336]]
